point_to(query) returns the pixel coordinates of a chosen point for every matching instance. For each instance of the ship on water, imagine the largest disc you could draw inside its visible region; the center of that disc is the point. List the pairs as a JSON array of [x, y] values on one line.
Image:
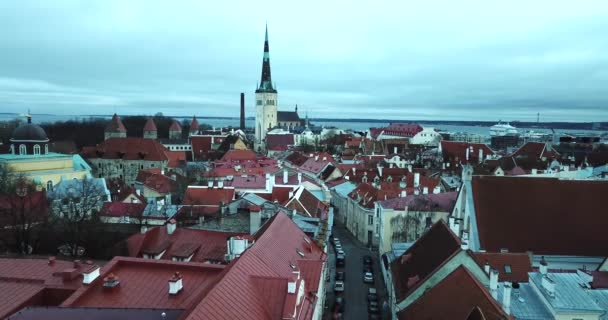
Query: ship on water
[[503, 129]]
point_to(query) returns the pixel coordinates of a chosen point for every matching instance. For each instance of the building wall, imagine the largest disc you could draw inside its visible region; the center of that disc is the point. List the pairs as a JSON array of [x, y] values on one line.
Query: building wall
[[341, 203], [266, 115], [398, 226], [358, 222], [108, 135], [47, 169], [428, 136], [125, 169]]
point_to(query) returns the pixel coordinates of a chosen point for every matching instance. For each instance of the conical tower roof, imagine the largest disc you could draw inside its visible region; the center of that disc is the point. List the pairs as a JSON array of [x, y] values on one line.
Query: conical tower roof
[[150, 125], [115, 125], [175, 126]]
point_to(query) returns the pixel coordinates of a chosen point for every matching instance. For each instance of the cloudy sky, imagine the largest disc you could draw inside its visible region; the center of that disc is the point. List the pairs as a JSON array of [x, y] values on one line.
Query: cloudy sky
[[478, 60]]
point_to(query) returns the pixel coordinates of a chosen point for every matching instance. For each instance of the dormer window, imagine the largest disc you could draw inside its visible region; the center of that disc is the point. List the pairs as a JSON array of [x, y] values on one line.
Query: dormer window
[[508, 268], [36, 149], [22, 149]]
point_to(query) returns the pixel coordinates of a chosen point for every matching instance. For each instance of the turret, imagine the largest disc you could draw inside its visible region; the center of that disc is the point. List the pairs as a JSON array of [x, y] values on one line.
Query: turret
[[150, 131]]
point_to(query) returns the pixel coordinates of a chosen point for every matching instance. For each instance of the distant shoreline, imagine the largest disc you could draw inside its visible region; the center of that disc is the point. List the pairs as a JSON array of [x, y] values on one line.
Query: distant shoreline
[[599, 126]]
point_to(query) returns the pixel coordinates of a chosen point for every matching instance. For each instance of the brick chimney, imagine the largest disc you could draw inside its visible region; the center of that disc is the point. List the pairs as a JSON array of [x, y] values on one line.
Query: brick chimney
[[175, 283], [242, 111], [89, 275]]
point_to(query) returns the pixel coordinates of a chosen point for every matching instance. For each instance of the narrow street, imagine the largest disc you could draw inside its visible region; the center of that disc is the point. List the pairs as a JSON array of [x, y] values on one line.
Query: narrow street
[[355, 292]]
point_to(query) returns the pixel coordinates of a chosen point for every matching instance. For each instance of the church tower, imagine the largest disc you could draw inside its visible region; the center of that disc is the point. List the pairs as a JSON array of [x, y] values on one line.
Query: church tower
[[265, 100]]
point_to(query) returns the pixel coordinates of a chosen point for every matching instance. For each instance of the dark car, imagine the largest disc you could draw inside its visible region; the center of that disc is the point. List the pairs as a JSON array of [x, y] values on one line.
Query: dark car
[[340, 276], [372, 294], [367, 260], [340, 261], [372, 316], [368, 268], [339, 305], [373, 309]]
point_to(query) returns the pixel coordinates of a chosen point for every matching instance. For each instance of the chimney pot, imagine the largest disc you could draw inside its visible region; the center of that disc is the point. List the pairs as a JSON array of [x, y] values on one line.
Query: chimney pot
[[111, 281], [175, 283]]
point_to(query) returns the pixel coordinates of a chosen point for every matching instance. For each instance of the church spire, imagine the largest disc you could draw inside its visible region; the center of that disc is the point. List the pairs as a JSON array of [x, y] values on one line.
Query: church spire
[[266, 79]]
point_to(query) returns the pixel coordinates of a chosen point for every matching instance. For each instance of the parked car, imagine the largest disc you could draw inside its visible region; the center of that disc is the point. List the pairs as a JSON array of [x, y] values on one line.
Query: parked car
[[341, 252], [338, 247], [340, 261], [368, 277], [368, 268], [367, 260], [373, 316], [373, 309], [372, 294], [339, 304], [339, 287], [340, 276]]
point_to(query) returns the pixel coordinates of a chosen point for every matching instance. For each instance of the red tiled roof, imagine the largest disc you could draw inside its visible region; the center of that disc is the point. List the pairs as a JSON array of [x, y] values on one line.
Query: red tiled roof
[[144, 283], [276, 247], [128, 149], [281, 194], [536, 150], [543, 215], [122, 209], [202, 245], [239, 155], [407, 130], [150, 126], [25, 282], [518, 263], [316, 165], [201, 145], [115, 125], [423, 258], [296, 159], [176, 159], [305, 202], [423, 202], [194, 124], [208, 196], [156, 181], [455, 151], [279, 140], [454, 298], [249, 182]]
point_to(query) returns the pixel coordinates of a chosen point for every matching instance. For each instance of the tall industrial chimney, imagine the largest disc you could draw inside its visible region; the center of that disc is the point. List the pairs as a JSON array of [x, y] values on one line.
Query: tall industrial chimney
[[242, 111]]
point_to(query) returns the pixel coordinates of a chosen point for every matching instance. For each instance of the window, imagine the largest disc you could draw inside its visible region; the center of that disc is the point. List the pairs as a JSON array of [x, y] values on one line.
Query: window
[[22, 149], [36, 149], [259, 102], [370, 220], [46, 149], [378, 212], [99, 164], [507, 268], [12, 149], [49, 185]]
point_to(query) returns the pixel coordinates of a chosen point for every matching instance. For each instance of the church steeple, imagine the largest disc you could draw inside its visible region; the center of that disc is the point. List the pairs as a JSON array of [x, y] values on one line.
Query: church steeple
[[266, 79]]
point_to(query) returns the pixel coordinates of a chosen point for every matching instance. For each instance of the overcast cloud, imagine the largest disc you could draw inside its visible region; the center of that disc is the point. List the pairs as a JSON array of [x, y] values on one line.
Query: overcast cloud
[[477, 60]]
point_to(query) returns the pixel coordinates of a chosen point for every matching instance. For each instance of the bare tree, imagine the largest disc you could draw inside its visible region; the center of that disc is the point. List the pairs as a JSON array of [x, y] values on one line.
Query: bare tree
[[22, 208], [75, 211]]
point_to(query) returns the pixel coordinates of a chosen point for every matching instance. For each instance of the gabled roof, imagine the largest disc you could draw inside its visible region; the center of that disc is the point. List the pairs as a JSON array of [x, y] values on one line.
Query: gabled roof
[[296, 159], [454, 298], [144, 283], [156, 181], [150, 126], [423, 258], [456, 152], [536, 150], [431, 202], [305, 202], [128, 149], [201, 245], [122, 209], [288, 116], [115, 125], [513, 267], [543, 215], [206, 196], [243, 295], [239, 155]]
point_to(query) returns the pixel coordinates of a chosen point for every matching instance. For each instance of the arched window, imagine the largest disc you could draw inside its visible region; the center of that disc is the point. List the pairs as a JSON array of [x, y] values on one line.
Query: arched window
[[46, 149], [22, 149], [49, 185], [12, 149], [36, 149]]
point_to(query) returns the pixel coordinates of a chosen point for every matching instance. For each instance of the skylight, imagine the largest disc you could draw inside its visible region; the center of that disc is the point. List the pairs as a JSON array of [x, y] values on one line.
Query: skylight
[[300, 252], [306, 239], [507, 268]]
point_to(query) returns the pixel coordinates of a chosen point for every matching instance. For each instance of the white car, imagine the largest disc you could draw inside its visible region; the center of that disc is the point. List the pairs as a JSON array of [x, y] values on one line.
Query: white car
[[368, 277], [341, 252], [339, 286], [338, 247]]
